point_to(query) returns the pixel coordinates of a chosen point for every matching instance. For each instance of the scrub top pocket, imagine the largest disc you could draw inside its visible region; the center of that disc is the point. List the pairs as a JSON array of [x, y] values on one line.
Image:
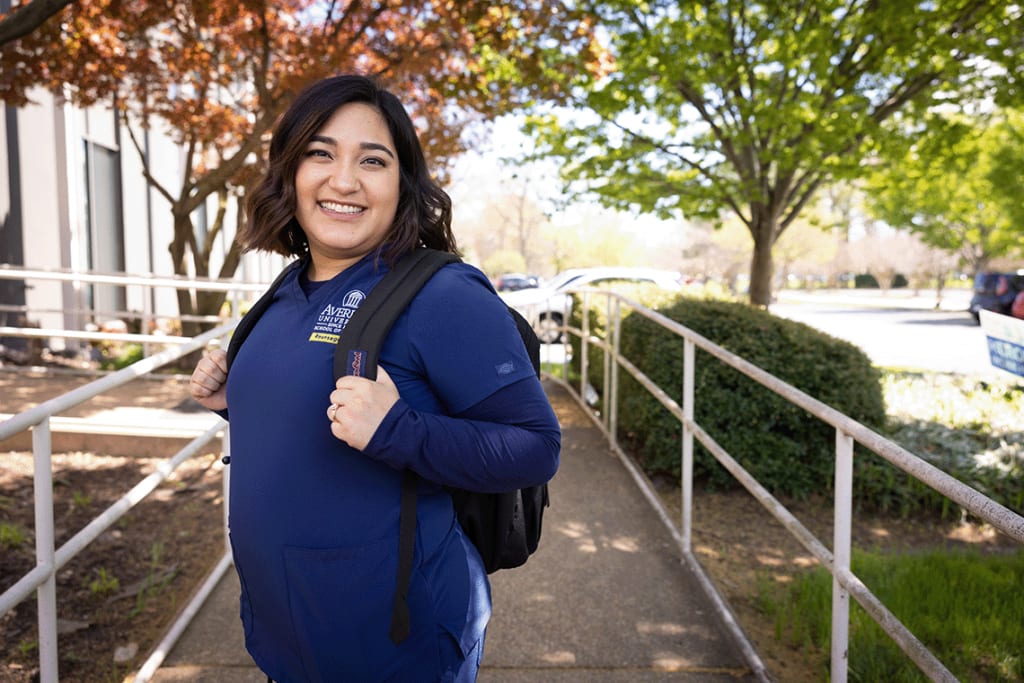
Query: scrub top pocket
[[340, 601]]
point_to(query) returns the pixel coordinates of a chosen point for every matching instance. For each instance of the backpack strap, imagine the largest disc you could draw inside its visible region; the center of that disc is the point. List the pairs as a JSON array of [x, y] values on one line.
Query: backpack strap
[[359, 347], [401, 622], [357, 353]]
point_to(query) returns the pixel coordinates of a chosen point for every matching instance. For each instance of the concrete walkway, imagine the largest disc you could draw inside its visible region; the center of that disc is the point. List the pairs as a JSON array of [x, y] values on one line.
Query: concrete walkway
[[605, 598]]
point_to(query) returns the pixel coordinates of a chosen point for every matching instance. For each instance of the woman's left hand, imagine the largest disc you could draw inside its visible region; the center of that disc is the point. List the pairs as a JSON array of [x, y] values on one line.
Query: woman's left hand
[[359, 405]]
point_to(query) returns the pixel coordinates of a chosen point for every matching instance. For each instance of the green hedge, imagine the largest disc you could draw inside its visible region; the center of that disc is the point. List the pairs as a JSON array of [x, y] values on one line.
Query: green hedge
[[789, 451]]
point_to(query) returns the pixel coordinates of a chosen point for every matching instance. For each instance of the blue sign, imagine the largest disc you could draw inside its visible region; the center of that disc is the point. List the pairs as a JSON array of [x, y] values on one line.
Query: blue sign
[[1005, 336], [1006, 355]]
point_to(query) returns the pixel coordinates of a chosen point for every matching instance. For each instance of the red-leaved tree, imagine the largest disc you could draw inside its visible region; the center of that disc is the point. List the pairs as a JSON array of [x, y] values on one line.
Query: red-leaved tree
[[216, 74]]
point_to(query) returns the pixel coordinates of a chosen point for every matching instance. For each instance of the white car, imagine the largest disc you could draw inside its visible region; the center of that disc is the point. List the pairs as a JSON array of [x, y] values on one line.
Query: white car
[[546, 305]]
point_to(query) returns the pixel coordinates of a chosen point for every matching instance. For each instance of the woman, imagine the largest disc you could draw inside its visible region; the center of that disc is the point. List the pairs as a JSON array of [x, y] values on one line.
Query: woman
[[316, 465]]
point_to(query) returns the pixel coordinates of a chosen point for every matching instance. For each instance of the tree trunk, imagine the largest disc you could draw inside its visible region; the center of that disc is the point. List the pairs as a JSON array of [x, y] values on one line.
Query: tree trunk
[[204, 302], [210, 303], [761, 265], [178, 248]]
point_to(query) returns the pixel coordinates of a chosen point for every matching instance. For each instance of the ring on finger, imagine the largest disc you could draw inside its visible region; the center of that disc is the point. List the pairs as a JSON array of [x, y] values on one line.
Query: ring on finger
[[332, 410]]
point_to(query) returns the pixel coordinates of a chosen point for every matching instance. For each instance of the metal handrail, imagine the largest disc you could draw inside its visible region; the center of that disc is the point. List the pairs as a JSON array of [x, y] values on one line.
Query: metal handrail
[[103, 315], [848, 431], [43, 333], [9, 272], [42, 578], [49, 559]]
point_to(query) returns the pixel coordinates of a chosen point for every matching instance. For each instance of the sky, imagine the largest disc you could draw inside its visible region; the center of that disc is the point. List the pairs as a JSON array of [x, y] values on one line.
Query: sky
[[480, 174]]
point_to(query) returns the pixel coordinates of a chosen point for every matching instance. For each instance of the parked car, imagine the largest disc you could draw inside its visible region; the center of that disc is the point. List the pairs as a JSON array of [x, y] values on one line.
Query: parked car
[[546, 305], [513, 282], [995, 292]]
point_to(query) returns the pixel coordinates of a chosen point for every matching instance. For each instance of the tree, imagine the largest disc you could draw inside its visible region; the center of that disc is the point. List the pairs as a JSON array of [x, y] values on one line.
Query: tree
[[748, 108], [217, 74], [506, 221], [588, 237], [957, 184], [804, 251], [28, 17]]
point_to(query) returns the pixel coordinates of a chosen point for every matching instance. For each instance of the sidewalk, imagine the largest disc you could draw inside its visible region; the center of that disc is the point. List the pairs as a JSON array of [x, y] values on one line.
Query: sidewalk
[[605, 598], [904, 298]]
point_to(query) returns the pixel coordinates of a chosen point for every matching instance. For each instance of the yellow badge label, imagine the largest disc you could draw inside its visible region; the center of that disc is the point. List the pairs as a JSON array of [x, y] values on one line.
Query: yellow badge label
[[324, 337]]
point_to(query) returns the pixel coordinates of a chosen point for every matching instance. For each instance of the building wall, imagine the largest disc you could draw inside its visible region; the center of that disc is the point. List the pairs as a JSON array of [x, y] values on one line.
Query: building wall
[[43, 205], [61, 152]]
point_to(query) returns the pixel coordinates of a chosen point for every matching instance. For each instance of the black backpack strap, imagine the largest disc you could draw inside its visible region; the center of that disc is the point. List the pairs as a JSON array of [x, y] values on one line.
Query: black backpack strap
[[357, 353], [401, 623], [359, 347], [248, 321]]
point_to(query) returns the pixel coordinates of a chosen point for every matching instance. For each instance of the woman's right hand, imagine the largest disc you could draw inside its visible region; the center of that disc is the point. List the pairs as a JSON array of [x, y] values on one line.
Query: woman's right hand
[[208, 385]]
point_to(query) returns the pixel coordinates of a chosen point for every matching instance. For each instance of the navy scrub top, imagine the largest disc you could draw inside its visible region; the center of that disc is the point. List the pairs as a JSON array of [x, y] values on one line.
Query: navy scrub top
[[313, 522]]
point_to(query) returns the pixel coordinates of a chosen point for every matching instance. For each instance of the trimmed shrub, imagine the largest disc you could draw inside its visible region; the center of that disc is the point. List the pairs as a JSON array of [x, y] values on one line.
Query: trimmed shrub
[[865, 281], [789, 451], [121, 356], [645, 294]]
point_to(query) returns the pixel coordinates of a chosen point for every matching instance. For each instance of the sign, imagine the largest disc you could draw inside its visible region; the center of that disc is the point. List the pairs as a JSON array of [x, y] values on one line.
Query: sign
[[1005, 336]]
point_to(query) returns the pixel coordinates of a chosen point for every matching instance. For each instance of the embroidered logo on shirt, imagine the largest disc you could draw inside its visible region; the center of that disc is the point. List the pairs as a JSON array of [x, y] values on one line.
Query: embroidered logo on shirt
[[333, 319], [505, 368]]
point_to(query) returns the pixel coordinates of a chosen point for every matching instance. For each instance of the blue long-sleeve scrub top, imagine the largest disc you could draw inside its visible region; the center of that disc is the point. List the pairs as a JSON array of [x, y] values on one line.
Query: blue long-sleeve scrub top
[[314, 522]]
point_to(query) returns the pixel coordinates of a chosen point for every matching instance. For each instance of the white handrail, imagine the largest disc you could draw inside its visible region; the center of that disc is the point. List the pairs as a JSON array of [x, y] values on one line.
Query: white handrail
[[9, 272], [178, 282], [59, 404], [92, 336], [847, 431], [49, 560]]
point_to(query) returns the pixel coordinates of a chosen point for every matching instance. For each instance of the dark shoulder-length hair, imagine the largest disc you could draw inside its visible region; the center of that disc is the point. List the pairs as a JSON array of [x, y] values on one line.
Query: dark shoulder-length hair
[[424, 212]]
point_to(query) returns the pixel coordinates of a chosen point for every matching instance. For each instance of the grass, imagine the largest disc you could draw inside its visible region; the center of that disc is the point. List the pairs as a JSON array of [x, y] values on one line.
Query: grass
[[12, 536], [104, 583], [967, 608], [157, 579]]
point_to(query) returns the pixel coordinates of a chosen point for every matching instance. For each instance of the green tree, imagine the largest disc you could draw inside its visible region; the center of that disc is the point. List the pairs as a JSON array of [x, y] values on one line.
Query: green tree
[[957, 184], [749, 108]]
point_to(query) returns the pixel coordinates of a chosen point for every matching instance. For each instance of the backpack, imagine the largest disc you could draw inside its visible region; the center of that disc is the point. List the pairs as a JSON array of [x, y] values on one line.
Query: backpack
[[504, 527]]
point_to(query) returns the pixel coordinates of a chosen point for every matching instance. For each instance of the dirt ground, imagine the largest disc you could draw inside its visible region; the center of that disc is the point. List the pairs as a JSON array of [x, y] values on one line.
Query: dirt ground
[[117, 598]]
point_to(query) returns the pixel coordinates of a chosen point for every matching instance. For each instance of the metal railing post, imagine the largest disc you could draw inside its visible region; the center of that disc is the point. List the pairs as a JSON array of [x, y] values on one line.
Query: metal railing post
[[584, 339], [843, 505], [46, 592], [606, 365], [612, 371], [686, 470], [566, 346]]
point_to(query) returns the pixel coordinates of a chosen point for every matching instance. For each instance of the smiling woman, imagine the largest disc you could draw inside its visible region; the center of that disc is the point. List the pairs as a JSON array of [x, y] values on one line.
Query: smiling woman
[[423, 213], [320, 463]]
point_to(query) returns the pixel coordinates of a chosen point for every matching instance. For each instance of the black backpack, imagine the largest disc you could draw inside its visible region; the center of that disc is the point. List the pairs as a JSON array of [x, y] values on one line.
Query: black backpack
[[504, 527]]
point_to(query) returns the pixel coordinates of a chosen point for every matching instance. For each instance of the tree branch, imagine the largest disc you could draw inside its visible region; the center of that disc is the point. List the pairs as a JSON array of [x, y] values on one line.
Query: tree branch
[[153, 182], [28, 18]]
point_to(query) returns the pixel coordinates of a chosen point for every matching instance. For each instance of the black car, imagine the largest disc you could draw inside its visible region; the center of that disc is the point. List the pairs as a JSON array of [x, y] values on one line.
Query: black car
[[995, 292], [513, 282]]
